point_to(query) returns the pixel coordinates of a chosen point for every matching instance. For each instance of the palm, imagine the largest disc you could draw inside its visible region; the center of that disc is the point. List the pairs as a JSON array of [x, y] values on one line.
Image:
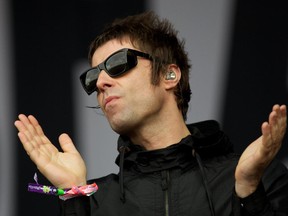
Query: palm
[[254, 158], [62, 169], [261, 152]]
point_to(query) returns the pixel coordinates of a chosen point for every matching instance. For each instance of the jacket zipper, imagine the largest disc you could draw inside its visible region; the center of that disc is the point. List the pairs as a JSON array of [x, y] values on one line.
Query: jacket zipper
[[166, 203], [165, 188]]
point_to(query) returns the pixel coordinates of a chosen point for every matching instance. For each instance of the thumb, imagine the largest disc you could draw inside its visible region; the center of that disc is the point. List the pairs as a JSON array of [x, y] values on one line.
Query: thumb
[[67, 144]]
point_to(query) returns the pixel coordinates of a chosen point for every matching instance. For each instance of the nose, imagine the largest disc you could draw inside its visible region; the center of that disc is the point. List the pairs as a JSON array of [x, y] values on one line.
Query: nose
[[104, 81]]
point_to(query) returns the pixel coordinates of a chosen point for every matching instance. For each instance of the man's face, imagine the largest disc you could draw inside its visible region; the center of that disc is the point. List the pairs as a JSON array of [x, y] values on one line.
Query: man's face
[[130, 102]]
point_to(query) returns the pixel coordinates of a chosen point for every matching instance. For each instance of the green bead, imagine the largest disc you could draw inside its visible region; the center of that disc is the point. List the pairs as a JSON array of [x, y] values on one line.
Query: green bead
[[60, 192]]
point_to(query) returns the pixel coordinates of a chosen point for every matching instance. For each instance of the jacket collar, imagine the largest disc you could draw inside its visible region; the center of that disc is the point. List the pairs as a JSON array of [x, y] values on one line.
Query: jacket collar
[[206, 139]]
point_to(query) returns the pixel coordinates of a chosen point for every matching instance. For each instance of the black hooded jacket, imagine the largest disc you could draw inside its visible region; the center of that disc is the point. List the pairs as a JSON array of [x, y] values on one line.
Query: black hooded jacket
[[192, 177]]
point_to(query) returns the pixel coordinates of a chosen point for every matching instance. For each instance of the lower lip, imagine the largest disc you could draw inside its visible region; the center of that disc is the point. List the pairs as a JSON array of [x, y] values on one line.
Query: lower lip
[[109, 102]]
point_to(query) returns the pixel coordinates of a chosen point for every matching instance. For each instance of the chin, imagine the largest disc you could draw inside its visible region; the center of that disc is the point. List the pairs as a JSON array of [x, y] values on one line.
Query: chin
[[120, 131], [120, 127], [123, 122]]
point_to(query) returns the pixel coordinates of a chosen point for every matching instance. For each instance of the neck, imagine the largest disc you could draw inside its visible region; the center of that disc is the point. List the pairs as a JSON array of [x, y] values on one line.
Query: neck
[[161, 133]]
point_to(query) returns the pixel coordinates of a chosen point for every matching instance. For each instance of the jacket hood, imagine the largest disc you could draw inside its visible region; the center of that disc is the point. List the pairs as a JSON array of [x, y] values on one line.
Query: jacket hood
[[206, 138], [209, 140]]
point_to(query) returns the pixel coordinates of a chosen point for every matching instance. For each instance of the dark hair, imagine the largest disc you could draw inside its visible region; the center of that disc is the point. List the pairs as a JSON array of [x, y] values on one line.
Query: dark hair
[[150, 34]]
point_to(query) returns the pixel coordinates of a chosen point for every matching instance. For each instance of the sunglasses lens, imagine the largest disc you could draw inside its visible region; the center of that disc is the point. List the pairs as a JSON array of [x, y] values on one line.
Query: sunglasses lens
[[117, 64], [89, 80]]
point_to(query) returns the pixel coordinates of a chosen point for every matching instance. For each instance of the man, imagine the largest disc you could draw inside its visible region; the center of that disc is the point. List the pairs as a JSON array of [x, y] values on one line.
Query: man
[[140, 73]]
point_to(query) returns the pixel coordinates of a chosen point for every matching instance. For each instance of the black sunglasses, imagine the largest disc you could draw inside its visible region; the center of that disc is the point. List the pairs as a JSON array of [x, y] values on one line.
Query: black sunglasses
[[115, 65]]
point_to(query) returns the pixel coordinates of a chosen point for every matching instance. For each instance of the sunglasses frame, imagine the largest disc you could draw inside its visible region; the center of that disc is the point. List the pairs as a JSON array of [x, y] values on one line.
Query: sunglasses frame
[[131, 63]]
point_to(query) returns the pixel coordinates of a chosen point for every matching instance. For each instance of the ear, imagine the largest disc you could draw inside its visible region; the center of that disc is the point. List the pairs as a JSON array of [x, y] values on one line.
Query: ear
[[172, 76]]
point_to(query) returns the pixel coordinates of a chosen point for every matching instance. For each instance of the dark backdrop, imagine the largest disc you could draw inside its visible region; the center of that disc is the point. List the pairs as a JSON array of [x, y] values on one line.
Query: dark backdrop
[[257, 70], [49, 37]]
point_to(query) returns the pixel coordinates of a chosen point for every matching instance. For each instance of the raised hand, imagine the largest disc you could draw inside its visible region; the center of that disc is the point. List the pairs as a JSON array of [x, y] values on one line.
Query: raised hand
[[258, 155], [63, 169]]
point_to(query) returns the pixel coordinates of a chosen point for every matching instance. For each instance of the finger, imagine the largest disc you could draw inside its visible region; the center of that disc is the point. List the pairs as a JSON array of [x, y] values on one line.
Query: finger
[[266, 129], [28, 146], [26, 126], [36, 125], [67, 144], [24, 137], [20, 123], [266, 136], [277, 120], [283, 109], [38, 129], [276, 107], [274, 122], [273, 118], [283, 114]]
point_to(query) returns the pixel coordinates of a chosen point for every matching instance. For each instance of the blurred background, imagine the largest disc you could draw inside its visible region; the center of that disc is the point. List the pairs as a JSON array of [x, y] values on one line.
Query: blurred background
[[238, 49]]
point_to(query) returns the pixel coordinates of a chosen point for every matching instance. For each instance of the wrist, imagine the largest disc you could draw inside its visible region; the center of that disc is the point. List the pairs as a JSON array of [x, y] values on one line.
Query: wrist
[[70, 184], [244, 190]]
